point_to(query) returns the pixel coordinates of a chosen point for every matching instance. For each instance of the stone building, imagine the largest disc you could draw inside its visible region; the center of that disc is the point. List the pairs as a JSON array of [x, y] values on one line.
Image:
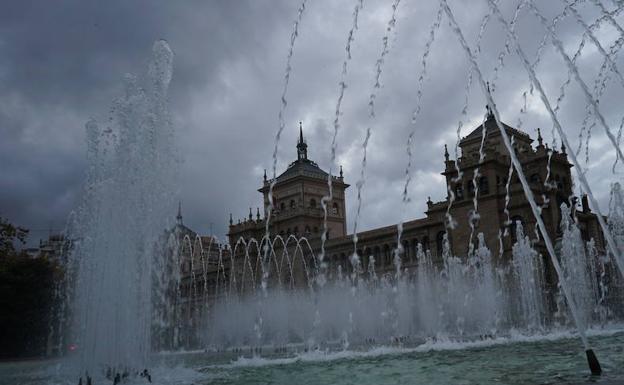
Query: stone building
[[298, 191], [208, 270]]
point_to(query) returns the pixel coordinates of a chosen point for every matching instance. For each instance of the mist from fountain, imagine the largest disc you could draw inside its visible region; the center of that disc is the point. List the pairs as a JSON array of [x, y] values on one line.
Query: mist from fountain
[[128, 198]]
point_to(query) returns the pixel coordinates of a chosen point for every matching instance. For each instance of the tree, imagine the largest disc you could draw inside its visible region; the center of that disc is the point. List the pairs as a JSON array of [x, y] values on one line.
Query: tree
[[26, 296], [9, 234]]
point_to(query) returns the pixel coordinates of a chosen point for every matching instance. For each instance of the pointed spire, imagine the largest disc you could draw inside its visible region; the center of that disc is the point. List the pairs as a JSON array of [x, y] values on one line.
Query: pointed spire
[[446, 153], [231, 220], [302, 147], [179, 216], [341, 176], [563, 148], [258, 213], [490, 115], [250, 215], [265, 177], [540, 141]]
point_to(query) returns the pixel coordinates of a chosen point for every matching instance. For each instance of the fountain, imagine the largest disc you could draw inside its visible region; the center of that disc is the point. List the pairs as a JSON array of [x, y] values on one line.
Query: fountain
[[128, 194], [276, 298]]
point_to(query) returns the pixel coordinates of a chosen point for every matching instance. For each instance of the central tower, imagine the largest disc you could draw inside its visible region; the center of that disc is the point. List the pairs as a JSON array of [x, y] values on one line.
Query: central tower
[[297, 196]]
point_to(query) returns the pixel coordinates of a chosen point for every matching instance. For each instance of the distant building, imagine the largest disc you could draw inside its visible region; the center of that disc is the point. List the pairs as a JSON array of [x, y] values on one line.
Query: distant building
[[54, 248]]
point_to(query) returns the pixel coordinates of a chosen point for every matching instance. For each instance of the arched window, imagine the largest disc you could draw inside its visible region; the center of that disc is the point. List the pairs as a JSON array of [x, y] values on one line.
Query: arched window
[[292, 204], [406, 251], [470, 188], [484, 185], [313, 203], [459, 192], [282, 206], [513, 227], [535, 178], [425, 244], [363, 259], [315, 230], [307, 230], [335, 209], [440, 243], [387, 255]]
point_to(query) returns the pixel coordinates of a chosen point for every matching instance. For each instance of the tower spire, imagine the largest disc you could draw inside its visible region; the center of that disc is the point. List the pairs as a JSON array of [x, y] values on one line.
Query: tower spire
[[446, 153], [302, 147], [179, 216], [540, 141]]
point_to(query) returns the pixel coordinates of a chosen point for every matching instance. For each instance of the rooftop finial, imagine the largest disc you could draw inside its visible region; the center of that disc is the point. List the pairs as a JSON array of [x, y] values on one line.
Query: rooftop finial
[[539, 137], [446, 153], [341, 171], [231, 220], [265, 177], [300, 132], [250, 214], [563, 148], [179, 216], [258, 213]]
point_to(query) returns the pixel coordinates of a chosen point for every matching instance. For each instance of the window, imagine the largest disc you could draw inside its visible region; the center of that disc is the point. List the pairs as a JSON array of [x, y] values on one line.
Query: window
[[484, 185], [282, 206], [387, 255], [307, 230], [315, 229], [335, 209], [313, 203], [296, 231], [440, 242], [292, 204], [513, 228], [459, 192], [470, 189]]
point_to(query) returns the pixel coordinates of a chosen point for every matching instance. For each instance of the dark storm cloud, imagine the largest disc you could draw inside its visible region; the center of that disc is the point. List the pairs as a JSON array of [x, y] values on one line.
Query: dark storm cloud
[[61, 62]]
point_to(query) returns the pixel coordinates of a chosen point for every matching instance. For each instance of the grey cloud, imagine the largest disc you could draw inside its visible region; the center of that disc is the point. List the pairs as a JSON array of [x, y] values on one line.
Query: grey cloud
[[62, 63]]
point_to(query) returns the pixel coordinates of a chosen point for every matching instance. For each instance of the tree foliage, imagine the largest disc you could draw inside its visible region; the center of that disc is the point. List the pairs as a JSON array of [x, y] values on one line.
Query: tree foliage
[[26, 296]]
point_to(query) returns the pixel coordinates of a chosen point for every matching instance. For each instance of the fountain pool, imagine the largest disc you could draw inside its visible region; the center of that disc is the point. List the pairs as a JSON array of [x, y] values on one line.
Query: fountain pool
[[549, 359]]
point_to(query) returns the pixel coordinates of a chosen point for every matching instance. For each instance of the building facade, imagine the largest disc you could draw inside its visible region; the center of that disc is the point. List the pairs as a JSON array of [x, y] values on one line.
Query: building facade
[[480, 176]]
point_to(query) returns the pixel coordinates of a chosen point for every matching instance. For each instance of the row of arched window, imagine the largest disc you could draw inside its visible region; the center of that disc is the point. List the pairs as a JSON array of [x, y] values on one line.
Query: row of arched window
[[311, 204], [484, 188], [384, 254]]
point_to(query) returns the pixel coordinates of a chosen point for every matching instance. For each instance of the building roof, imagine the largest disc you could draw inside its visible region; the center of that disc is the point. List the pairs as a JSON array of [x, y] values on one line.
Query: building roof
[[302, 167], [492, 130]]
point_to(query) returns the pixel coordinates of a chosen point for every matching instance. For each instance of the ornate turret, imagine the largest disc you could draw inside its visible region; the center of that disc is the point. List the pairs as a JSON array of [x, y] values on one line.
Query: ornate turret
[[302, 147]]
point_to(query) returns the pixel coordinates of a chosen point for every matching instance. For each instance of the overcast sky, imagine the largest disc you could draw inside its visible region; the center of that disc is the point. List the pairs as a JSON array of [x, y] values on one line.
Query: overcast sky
[[62, 62]]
